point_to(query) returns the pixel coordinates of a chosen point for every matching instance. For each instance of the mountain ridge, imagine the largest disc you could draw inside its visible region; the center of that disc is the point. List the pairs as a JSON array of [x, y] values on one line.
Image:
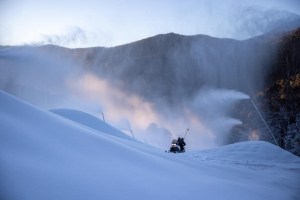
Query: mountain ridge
[[169, 70]]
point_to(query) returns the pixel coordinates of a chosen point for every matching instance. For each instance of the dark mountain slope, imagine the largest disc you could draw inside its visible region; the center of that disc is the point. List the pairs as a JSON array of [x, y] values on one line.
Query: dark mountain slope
[[174, 67], [282, 96], [279, 100]]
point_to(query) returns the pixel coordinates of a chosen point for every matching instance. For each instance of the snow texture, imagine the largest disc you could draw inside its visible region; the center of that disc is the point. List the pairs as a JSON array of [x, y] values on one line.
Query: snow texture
[[89, 121], [45, 156]]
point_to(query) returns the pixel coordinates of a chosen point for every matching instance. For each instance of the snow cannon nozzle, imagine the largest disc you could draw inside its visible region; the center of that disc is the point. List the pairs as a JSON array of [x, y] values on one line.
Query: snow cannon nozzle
[[187, 130]]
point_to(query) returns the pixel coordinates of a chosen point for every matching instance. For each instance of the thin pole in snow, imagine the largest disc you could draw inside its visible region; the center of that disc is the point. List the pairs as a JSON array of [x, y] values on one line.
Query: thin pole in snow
[[264, 121], [132, 134], [103, 116], [130, 129]]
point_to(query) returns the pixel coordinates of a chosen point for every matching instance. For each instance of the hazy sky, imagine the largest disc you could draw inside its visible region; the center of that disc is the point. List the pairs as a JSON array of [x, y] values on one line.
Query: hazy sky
[[83, 23]]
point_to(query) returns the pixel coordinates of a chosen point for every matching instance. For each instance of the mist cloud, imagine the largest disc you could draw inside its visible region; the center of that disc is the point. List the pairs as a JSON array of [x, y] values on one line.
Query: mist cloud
[[35, 75], [213, 108], [75, 37], [49, 81], [207, 116], [256, 20]]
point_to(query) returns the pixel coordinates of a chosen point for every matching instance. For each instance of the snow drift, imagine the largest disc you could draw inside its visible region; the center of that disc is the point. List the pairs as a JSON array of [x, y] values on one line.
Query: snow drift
[[45, 156]]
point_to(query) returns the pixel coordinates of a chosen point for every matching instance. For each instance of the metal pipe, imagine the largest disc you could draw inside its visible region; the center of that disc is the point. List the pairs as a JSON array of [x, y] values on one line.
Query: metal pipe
[[103, 116], [186, 132], [264, 121]]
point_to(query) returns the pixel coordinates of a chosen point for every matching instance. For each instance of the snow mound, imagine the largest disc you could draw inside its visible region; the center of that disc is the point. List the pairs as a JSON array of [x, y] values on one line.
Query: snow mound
[[45, 156], [258, 152], [89, 121]]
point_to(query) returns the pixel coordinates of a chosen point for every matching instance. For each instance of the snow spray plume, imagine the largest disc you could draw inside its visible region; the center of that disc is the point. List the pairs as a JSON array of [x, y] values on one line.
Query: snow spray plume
[[74, 37], [40, 75], [213, 107], [250, 21], [157, 136], [167, 83]]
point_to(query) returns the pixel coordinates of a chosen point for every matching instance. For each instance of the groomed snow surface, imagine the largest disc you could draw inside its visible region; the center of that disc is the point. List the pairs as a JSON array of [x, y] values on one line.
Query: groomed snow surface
[[68, 154]]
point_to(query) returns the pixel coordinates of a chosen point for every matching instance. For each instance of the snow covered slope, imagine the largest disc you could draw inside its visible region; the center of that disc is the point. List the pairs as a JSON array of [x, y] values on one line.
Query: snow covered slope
[[258, 151], [45, 156], [89, 121]]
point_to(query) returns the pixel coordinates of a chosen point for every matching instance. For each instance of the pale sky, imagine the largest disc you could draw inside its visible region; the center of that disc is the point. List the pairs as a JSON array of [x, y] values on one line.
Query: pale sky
[[85, 23]]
